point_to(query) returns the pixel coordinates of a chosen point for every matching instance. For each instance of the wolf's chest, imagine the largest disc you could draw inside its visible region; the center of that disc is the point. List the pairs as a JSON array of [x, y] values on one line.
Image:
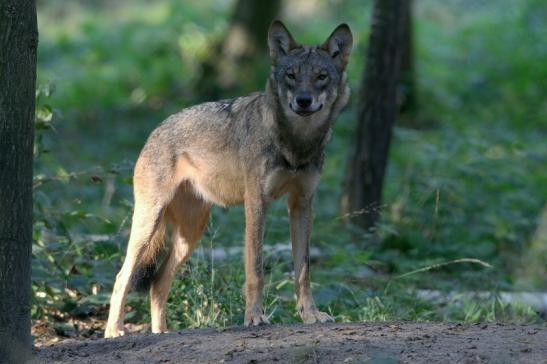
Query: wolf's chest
[[281, 181]]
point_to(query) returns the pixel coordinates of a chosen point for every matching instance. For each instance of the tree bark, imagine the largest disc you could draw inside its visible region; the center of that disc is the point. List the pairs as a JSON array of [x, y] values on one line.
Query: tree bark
[[376, 115], [233, 61], [18, 43]]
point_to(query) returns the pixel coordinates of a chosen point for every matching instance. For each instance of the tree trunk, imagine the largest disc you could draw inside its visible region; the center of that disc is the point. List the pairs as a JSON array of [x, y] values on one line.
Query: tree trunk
[[407, 83], [376, 115], [18, 42], [235, 60]]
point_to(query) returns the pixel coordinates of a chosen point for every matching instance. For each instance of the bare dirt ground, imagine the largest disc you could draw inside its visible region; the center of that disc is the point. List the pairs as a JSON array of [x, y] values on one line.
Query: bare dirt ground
[[392, 342]]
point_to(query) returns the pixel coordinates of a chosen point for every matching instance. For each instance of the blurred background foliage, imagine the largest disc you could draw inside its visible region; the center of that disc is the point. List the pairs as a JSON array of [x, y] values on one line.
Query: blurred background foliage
[[468, 179]]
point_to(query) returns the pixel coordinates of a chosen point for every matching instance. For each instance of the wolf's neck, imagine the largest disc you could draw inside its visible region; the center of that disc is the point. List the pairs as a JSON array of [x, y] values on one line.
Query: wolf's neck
[[301, 140]]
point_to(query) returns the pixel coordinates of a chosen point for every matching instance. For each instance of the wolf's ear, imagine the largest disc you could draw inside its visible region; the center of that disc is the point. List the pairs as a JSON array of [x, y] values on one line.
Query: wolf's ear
[[280, 41], [338, 45]]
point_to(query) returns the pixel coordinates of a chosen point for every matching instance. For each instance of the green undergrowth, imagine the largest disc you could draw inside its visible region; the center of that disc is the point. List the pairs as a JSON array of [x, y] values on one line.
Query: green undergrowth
[[467, 182]]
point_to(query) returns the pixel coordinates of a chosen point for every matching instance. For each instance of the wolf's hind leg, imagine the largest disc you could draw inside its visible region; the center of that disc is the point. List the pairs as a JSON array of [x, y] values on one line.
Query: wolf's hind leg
[[189, 215], [145, 228]]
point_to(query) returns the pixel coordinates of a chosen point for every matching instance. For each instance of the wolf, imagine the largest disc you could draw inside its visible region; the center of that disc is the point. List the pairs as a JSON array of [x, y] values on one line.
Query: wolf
[[251, 150]]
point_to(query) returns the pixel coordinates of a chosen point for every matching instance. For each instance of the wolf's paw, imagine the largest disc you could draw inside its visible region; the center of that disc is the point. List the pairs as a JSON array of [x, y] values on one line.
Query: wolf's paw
[[160, 331], [312, 316], [111, 332], [159, 328], [256, 320]]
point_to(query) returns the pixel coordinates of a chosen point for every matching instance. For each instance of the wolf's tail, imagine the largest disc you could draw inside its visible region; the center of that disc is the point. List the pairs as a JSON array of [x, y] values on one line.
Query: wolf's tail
[[143, 277], [146, 271]]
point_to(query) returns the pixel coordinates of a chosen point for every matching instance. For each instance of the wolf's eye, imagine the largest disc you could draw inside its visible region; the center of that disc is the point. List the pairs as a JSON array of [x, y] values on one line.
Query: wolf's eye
[[290, 76], [322, 77]]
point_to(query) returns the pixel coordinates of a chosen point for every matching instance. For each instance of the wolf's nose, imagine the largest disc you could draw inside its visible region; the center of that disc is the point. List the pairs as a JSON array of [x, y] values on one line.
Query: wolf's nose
[[304, 101]]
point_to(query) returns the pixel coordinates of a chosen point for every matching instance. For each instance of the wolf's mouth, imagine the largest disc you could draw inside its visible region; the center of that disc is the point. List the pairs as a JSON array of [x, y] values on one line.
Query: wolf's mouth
[[305, 112]]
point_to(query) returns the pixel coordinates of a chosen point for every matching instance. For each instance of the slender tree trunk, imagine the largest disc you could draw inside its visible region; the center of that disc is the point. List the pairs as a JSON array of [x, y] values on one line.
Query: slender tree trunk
[[18, 42], [407, 83], [252, 18], [234, 61], [376, 115]]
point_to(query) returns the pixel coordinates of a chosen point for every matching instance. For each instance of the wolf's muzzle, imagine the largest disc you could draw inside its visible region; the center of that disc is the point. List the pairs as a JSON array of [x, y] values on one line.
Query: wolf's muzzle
[[307, 110]]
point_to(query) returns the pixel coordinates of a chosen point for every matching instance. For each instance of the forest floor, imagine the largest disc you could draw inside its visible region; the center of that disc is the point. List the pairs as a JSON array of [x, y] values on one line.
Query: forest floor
[[379, 342]]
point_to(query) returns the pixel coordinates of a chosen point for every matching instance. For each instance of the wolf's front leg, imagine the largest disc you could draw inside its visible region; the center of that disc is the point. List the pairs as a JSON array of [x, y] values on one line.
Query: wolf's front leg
[[255, 216], [300, 214]]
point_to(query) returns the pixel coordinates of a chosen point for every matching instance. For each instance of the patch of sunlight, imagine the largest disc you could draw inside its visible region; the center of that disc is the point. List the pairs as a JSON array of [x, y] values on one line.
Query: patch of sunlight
[[138, 96], [193, 43]]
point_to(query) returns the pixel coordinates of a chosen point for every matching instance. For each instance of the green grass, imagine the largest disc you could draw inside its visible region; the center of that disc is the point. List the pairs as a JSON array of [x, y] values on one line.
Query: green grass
[[469, 184]]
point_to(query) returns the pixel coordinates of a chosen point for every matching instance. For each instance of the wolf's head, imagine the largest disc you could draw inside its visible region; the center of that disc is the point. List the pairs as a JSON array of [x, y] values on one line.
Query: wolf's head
[[308, 78]]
